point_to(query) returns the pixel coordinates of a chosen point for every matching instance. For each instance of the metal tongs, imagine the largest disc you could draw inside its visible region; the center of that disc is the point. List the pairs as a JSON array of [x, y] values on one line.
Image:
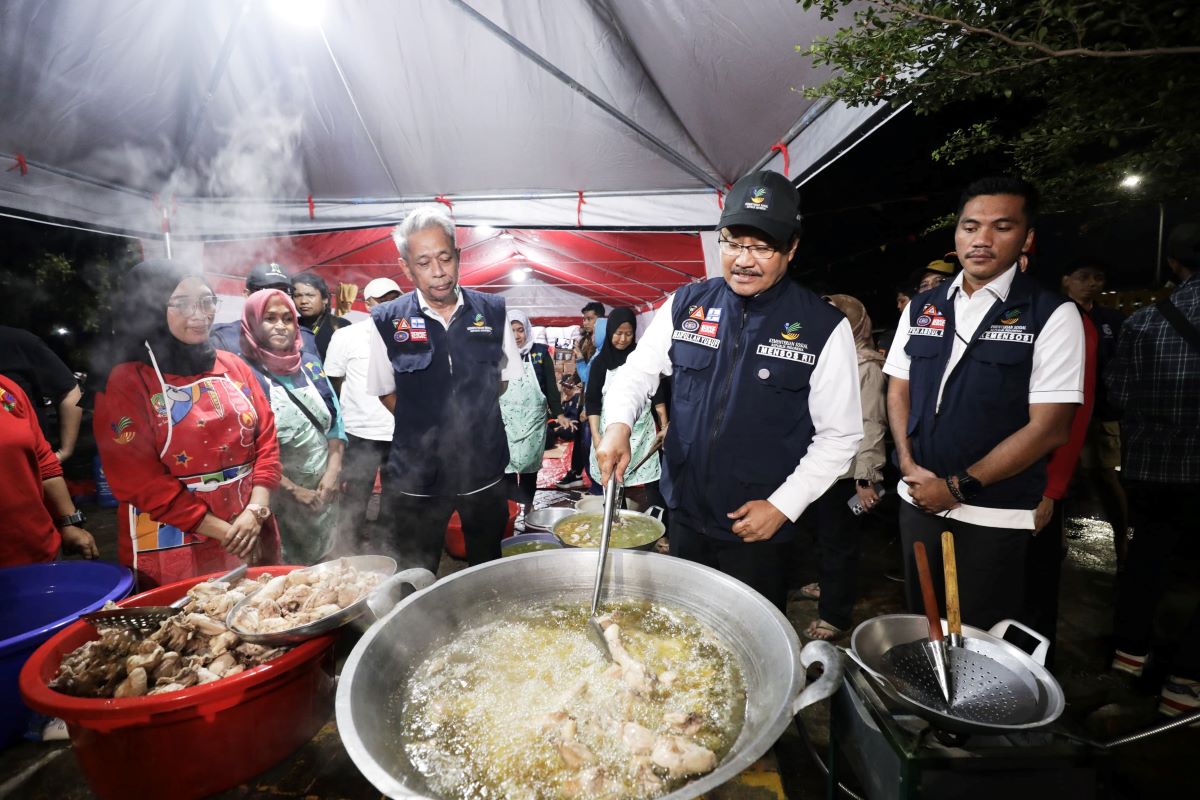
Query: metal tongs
[[147, 619], [595, 632], [935, 648]]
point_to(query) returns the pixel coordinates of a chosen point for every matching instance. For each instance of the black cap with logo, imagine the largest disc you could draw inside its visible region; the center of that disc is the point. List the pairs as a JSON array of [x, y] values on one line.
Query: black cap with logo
[[764, 200], [268, 276]]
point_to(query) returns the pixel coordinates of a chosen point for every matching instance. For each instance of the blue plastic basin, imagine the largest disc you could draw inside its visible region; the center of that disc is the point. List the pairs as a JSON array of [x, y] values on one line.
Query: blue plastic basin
[[35, 602]]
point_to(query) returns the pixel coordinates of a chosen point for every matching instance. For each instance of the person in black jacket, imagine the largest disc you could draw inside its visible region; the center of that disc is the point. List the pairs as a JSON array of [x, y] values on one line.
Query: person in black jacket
[[311, 296]]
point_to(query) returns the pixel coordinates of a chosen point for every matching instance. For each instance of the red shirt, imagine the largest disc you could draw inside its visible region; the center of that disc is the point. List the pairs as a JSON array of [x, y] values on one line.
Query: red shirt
[[28, 534], [1062, 462]]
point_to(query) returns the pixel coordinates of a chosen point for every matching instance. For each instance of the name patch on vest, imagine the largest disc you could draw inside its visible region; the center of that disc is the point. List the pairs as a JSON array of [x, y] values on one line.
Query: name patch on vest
[[695, 338], [700, 327], [1008, 328], [998, 334], [787, 354], [930, 322]]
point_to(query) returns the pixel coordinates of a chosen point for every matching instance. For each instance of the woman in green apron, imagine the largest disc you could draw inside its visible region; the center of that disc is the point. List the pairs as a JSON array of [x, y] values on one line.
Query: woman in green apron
[[526, 406], [621, 341], [308, 421]]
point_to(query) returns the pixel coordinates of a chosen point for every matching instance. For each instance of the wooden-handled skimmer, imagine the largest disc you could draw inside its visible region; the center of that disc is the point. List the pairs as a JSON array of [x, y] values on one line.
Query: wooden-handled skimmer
[[953, 608], [935, 648]]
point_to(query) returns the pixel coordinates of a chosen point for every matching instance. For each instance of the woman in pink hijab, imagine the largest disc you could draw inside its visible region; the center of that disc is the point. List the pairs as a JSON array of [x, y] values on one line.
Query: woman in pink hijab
[[308, 421]]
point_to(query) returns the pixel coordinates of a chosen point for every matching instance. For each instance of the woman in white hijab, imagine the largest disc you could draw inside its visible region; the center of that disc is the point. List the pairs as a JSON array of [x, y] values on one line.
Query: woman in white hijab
[[526, 406]]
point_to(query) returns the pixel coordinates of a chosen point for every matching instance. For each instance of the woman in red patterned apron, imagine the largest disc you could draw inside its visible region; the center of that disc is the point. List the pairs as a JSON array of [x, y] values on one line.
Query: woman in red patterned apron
[[185, 434]]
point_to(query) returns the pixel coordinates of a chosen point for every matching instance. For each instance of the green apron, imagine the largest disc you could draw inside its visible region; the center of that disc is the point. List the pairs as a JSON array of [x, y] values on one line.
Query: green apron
[[523, 409], [640, 442], [306, 535]]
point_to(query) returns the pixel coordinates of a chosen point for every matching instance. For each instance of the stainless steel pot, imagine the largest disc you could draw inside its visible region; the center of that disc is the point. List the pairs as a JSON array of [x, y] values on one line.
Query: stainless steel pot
[[654, 514], [873, 638], [768, 651], [543, 519]]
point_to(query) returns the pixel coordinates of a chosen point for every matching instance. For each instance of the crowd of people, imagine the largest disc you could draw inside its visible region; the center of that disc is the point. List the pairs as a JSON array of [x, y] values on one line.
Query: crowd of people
[[290, 434]]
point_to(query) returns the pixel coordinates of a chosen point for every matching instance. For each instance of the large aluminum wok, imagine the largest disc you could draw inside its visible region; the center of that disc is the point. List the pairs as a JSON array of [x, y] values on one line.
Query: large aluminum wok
[[768, 651]]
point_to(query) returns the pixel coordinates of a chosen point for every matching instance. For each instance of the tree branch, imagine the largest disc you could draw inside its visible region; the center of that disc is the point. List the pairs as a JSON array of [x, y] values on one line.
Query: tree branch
[[1049, 51]]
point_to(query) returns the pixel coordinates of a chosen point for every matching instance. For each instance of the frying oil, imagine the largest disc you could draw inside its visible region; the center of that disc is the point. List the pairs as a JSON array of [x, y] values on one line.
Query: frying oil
[[473, 715]]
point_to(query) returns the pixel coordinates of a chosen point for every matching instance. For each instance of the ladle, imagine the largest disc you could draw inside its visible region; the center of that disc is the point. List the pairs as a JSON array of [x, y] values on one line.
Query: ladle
[[595, 632]]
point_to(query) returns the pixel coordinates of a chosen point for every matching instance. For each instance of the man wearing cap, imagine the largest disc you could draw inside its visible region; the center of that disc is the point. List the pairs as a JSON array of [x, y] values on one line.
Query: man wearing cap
[[228, 335], [368, 424], [765, 411], [935, 273], [440, 361], [1155, 381], [986, 374]]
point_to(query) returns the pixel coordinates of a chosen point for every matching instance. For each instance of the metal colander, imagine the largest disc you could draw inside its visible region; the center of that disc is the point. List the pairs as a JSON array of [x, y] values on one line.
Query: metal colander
[[981, 689], [995, 686]]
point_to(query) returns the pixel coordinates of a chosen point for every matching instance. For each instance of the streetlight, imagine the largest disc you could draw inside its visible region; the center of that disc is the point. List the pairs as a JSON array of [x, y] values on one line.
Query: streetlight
[[1131, 181]]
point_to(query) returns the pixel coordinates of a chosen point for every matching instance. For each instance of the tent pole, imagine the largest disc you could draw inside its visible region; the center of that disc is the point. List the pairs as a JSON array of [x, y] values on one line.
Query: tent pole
[[595, 265], [546, 271], [218, 73], [662, 147], [659, 264], [358, 113], [810, 115]]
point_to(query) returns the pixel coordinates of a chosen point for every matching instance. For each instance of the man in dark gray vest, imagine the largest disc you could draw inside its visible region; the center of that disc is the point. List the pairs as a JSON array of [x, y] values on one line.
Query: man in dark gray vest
[[439, 364], [765, 411], [986, 373]]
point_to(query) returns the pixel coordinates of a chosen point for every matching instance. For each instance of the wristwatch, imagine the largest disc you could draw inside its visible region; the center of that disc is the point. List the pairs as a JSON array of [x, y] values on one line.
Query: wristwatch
[[261, 513], [968, 485], [71, 519]]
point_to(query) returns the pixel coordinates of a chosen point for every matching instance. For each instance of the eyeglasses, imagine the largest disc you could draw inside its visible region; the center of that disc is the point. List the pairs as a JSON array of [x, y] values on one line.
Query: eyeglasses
[[761, 252], [189, 305]]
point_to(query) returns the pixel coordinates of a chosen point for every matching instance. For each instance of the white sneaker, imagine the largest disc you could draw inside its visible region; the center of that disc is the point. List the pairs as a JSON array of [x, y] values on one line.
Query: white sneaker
[[55, 731]]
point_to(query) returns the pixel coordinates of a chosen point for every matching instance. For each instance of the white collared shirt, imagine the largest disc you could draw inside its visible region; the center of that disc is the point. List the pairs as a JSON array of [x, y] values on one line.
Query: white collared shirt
[[833, 403], [1056, 376], [348, 356], [381, 380]]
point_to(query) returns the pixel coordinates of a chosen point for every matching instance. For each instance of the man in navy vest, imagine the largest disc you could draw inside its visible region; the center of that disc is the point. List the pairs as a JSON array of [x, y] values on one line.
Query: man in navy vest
[[986, 373], [438, 364], [765, 411]]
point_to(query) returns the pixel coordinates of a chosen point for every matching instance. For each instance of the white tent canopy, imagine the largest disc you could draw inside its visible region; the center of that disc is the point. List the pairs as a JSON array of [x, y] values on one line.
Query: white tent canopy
[[238, 118]]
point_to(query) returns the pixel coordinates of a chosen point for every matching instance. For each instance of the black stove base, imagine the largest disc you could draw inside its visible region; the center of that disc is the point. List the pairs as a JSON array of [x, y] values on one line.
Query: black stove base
[[896, 755]]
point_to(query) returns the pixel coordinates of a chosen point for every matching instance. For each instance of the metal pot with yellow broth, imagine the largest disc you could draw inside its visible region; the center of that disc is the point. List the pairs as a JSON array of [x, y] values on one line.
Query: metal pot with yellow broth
[[486, 685]]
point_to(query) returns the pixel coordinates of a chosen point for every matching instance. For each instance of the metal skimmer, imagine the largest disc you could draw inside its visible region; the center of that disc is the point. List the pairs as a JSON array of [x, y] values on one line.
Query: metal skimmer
[[982, 689]]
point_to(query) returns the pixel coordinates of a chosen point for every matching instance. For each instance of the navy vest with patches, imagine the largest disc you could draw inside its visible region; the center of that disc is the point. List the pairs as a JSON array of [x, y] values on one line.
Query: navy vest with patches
[[449, 437], [739, 404], [986, 398]]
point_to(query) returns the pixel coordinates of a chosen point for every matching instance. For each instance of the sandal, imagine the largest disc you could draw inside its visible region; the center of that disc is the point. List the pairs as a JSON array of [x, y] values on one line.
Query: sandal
[[820, 630], [811, 591]]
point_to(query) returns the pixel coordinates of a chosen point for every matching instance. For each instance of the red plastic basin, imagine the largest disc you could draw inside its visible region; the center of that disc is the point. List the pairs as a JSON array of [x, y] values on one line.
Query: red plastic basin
[[456, 543], [195, 742]]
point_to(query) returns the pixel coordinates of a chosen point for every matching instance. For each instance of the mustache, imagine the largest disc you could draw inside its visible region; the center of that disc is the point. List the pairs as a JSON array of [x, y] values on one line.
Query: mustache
[[981, 252], [745, 271]]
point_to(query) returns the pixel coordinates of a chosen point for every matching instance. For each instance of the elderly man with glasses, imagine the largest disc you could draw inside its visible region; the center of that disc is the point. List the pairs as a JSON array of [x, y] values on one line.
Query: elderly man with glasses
[[765, 411]]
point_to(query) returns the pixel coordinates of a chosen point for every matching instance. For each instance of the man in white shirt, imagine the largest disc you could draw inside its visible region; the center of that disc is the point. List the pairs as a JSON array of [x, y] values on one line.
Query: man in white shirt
[[368, 424], [448, 353], [986, 373], [765, 412]]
